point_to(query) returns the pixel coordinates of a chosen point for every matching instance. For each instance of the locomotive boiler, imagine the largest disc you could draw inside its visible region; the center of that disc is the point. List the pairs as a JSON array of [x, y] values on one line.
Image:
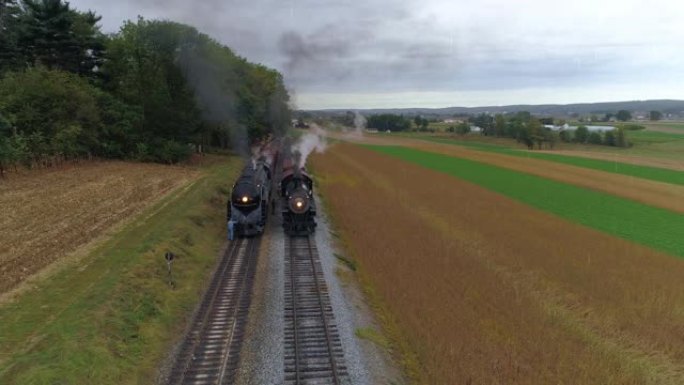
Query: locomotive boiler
[[251, 196], [298, 207]]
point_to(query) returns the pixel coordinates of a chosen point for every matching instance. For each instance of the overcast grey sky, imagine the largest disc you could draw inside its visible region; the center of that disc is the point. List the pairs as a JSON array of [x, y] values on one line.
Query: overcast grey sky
[[438, 53]]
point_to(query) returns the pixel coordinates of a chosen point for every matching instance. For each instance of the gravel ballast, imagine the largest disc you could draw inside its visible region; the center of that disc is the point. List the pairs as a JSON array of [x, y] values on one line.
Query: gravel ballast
[[262, 357]]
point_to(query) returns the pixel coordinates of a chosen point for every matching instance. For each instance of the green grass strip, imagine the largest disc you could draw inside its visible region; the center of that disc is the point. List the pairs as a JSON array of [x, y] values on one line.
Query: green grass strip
[[675, 126], [644, 172], [647, 136], [651, 226]]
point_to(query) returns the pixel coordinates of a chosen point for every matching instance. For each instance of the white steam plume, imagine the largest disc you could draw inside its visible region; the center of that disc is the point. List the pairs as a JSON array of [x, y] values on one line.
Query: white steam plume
[[359, 122], [359, 125], [314, 140]]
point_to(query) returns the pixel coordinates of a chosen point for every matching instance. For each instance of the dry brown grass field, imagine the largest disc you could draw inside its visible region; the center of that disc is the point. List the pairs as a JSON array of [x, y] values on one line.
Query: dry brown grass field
[[50, 213], [486, 290]]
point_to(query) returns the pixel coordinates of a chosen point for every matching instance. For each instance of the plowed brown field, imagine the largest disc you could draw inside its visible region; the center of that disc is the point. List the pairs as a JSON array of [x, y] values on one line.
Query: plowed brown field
[[46, 215], [489, 291]]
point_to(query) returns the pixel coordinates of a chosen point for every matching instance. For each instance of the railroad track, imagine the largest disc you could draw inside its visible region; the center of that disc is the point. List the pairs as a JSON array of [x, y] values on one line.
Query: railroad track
[[210, 352], [313, 350]]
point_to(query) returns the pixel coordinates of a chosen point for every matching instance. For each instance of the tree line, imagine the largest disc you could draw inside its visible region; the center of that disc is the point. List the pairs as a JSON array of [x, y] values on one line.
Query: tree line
[[521, 126], [615, 137], [154, 91], [391, 122], [532, 131], [621, 116]]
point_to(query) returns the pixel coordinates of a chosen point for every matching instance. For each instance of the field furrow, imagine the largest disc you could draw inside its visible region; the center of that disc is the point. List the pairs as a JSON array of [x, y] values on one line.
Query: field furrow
[[51, 214]]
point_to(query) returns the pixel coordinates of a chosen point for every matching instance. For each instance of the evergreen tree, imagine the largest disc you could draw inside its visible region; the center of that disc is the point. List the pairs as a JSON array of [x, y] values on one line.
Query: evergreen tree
[[55, 36], [10, 54]]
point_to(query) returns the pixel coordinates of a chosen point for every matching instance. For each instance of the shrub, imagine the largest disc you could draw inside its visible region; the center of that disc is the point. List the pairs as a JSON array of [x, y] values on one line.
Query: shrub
[[595, 138], [631, 127], [42, 100]]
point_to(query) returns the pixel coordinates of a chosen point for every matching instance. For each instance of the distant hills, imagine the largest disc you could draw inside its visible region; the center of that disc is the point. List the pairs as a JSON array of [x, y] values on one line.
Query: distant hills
[[675, 107]]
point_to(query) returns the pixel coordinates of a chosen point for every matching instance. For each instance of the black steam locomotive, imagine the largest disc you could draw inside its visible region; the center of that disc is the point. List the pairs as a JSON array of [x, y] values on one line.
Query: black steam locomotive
[[298, 207], [250, 199]]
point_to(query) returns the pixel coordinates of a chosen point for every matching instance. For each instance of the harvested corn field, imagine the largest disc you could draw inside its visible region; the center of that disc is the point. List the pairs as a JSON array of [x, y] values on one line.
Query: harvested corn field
[[47, 215], [488, 290]]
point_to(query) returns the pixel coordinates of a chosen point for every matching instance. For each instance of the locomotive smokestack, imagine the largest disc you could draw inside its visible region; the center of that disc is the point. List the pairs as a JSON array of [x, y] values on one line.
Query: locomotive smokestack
[[297, 165]]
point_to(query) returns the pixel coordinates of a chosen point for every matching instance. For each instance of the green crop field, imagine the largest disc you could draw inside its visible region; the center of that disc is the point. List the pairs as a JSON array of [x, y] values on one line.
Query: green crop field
[[667, 125], [648, 136], [644, 172], [658, 228]]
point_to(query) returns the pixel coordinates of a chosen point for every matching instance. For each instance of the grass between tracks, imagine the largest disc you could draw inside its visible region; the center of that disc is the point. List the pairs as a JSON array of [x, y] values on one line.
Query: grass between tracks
[[113, 319], [651, 226]]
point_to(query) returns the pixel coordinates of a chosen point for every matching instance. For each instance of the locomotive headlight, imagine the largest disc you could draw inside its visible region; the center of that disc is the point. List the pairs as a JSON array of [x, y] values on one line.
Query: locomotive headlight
[[298, 204], [245, 199]]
